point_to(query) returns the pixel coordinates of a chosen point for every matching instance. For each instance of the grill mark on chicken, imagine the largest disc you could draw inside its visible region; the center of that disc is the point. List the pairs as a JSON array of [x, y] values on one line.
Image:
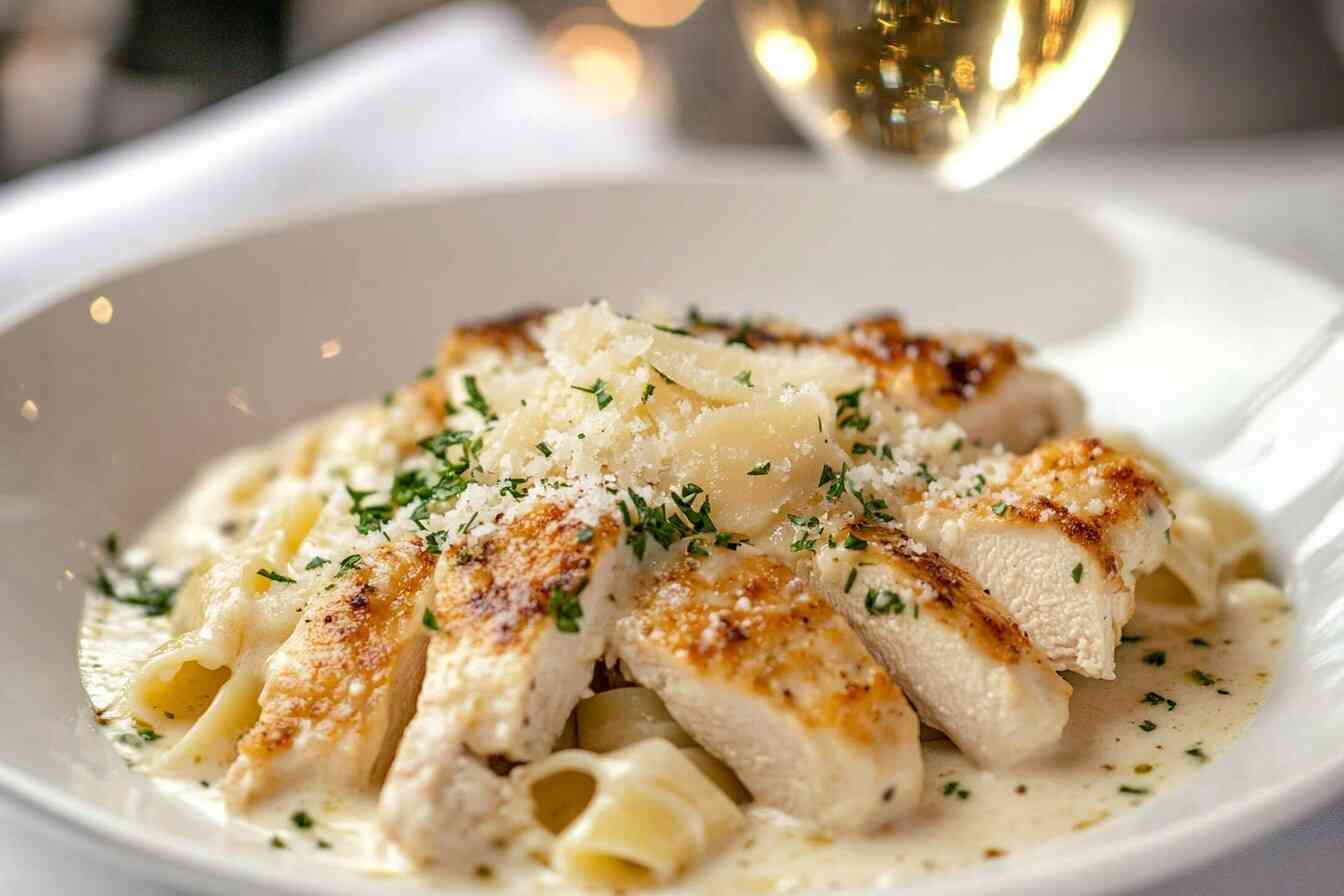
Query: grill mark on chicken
[[509, 576], [771, 641], [958, 599]]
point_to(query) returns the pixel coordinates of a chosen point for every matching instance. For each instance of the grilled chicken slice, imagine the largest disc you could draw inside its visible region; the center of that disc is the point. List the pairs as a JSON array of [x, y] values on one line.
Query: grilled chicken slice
[[973, 381], [969, 670], [339, 691], [1059, 539], [761, 672], [522, 610]]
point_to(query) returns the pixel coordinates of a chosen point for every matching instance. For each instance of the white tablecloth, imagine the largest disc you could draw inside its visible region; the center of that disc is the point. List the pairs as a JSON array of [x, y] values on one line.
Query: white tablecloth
[[459, 99]]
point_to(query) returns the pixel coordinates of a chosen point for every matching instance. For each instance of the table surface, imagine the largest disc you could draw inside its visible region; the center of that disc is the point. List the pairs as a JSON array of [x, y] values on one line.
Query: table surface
[[1282, 194]]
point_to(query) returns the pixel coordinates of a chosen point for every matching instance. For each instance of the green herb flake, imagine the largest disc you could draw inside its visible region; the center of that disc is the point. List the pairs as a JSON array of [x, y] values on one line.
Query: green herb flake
[[1200, 642], [475, 400], [883, 603], [648, 393], [434, 541], [275, 576], [854, 543], [1134, 791], [954, 789], [302, 820], [1156, 658], [1077, 573], [316, 562], [849, 580], [1148, 725], [544, 449], [599, 392], [1197, 753], [566, 608], [148, 735], [349, 562], [277, 843], [1202, 678], [999, 508], [585, 535], [1153, 698], [760, 469], [429, 620], [695, 549]]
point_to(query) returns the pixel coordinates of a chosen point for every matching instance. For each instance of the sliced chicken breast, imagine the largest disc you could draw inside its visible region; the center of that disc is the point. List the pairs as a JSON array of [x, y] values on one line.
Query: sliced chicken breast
[[969, 670], [1059, 540], [339, 691], [761, 672], [974, 381], [520, 612]]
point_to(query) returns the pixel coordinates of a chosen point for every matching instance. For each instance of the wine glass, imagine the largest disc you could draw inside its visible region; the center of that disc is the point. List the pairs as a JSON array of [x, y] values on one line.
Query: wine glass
[[962, 88]]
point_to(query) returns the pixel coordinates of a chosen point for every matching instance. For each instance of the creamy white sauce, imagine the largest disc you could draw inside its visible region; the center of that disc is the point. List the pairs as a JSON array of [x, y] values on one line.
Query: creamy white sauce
[[968, 815]]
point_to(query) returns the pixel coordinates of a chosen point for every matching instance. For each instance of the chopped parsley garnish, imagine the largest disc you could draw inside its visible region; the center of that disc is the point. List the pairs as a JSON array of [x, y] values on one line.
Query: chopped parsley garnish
[[1153, 698], [301, 819], [323, 844], [759, 469], [956, 446], [1148, 725], [1202, 678], [276, 842], [599, 392], [275, 576], [859, 448], [1156, 658], [316, 562], [434, 541], [349, 562], [696, 549], [544, 449], [1130, 639], [667, 379], [475, 400], [745, 379], [514, 487], [999, 508], [883, 603], [810, 522], [803, 543], [954, 789], [426, 373], [854, 543], [873, 508], [1197, 753], [648, 393], [1077, 573], [741, 337], [134, 586], [148, 735], [430, 621], [1134, 791], [663, 525], [407, 486], [847, 411], [585, 535], [837, 481], [849, 580], [693, 316], [387, 399], [729, 540], [565, 607], [924, 473], [466, 527], [1200, 642], [674, 330], [368, 518]]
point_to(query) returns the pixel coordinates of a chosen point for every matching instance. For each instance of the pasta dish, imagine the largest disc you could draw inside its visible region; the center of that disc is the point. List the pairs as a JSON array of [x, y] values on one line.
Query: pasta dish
[[597, 601]]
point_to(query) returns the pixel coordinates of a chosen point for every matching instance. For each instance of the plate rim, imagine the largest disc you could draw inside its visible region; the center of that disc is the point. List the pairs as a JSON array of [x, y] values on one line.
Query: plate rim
[[1099, 868]]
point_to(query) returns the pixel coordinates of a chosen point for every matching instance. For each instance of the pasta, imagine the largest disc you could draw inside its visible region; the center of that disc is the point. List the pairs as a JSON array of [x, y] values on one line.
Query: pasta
[[634, 817], [624, 716]]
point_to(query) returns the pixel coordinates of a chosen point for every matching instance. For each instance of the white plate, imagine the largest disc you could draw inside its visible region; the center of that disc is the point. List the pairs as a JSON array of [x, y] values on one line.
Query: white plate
[[1225, 358]]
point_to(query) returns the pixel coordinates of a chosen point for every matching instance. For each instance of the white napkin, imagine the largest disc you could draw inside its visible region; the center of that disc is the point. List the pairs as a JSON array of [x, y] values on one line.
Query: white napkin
[[458, 97]]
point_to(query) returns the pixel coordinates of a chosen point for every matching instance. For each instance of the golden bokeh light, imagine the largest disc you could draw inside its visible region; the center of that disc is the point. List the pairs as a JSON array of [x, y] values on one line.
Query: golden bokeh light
[[788, 58], [1005, 59], [654, 13], [28, 410], [100, 309], [606, 62], [330, 349]]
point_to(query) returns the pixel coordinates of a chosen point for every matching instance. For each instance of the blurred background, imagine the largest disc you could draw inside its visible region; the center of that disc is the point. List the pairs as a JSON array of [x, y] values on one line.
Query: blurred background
[[80, 75]]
